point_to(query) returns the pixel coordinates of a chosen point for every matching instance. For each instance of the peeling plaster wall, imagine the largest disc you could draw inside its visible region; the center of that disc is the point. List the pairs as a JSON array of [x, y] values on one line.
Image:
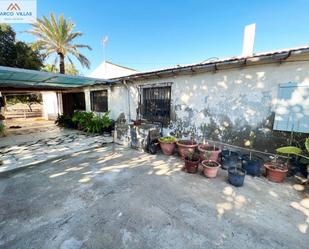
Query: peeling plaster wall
[[234, 106]]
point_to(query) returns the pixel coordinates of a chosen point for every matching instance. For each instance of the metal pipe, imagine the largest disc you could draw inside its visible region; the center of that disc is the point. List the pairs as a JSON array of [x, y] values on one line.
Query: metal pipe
[[129, 106], [246, 149]]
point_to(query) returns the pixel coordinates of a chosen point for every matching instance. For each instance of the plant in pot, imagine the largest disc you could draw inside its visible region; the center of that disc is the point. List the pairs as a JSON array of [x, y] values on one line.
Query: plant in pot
[[277, 172], [229, 159], [236, 176], [185, 147], [167, 145], [251, 164], [210, 168], [191, 162], [211, 151]]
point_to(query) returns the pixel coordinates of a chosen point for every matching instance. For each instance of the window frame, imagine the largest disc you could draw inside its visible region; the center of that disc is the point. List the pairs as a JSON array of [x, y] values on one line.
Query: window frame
[[165, 121], [286, 114], [94, 107]]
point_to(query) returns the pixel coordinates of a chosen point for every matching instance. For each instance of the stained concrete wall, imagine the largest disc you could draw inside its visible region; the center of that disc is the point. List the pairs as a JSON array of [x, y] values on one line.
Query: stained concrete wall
[[52, 104], [232, 105]]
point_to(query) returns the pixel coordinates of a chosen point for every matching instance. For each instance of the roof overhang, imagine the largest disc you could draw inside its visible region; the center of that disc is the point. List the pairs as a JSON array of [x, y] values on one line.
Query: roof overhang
[[288, 55], [17, 78]]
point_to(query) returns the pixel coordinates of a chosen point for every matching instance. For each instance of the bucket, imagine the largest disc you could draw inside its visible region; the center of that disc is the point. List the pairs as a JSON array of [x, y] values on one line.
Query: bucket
[[236, 176], [252, 165]]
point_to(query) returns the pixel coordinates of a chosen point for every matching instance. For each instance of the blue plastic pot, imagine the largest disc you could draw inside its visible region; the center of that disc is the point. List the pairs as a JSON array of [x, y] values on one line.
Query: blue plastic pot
[[229, 159], [236, 176], [252, 166]]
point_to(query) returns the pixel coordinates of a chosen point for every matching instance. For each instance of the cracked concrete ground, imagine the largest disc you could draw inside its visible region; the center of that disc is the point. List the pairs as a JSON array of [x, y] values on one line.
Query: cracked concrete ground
[[115, 197]]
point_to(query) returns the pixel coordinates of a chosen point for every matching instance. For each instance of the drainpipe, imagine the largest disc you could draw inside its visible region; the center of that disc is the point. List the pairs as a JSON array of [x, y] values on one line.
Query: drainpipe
[[128, 92]]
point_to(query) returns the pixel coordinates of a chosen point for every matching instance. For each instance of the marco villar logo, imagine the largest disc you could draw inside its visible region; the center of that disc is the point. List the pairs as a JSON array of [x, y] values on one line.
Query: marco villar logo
[[17, 11], [13, 6]]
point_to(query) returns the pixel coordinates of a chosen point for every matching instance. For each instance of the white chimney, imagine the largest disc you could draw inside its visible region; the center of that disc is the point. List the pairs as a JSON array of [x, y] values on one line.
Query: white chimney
[[248, 42]]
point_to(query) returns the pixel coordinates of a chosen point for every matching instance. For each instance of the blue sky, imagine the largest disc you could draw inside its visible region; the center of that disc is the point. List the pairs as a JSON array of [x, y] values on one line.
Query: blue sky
[[149, 34]]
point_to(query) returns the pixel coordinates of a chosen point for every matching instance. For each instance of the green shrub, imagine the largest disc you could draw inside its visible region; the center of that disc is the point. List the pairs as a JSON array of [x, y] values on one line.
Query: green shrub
[[64, 121], [91, 123]]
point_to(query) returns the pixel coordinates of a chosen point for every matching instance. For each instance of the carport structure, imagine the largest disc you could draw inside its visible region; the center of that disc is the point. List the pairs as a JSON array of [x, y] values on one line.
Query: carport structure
[[59, 91]]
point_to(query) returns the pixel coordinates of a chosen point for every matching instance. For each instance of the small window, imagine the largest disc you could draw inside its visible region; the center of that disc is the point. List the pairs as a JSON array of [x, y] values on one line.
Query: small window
[[156, 104], [292, 109], [99, 102]]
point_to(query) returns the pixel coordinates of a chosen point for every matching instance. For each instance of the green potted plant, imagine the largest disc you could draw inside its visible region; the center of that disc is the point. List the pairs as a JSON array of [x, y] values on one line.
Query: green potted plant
[[185, 147], [277, 172], [191, 162], [167, 145]]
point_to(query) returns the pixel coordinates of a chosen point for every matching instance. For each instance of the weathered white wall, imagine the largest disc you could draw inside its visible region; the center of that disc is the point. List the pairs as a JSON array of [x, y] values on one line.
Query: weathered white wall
[[50, 105], [234, 104], [118, 100]]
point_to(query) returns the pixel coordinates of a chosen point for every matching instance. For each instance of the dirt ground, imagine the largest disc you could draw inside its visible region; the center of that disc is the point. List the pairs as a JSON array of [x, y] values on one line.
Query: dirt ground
[[115, 197]]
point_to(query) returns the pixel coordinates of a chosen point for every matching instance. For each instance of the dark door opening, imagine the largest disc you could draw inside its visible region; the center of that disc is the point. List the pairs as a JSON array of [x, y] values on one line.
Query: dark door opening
[[73, 102]]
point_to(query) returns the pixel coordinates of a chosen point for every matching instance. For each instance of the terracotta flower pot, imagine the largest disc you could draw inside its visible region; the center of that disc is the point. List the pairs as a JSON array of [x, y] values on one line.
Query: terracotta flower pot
[[167, 147], [186, 147], [276, 172], [210, 168], [192, 165], [209, 152]]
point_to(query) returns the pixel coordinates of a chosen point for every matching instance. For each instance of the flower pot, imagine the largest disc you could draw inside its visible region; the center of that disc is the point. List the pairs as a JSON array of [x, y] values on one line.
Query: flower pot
[[236, 176], [251, 166], [192, 165], [210, 168], [229, 159], [275, 172], [167, 147], [186, 147], [208, 152]]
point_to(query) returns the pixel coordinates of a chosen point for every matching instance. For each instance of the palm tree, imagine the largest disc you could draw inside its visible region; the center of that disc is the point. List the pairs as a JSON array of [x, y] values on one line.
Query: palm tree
[[56, 37]]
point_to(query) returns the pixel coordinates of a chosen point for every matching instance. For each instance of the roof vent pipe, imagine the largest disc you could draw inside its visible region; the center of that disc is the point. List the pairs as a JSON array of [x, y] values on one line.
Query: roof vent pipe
[[248, 42]]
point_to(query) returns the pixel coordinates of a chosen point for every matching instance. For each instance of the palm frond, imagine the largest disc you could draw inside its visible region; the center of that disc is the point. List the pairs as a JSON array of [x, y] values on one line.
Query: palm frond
[[56, 35]]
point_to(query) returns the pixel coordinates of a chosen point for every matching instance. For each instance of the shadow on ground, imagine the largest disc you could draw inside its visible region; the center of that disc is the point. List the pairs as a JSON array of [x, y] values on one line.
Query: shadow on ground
[[114, 197]]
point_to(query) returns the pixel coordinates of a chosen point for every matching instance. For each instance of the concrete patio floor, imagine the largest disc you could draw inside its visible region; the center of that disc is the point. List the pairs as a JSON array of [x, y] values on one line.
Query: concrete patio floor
[[37, 144], [115, 197]]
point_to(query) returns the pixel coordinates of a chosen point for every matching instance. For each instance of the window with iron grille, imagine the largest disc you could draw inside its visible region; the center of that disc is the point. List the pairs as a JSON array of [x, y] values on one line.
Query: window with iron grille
[[156, 104], [99, 102]]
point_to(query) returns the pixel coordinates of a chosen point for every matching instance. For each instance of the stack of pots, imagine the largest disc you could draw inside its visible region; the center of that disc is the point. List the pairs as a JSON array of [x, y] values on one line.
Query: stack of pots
[[209, 155], [229, 161]]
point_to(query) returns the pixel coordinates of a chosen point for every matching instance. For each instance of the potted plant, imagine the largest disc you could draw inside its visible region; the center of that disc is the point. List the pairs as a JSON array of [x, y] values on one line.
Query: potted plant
[[209, 152], [236, 176], [167, 145], [276, 172], [191, 162], [185, 147], [251, 164], [229, 159], [210, 168]]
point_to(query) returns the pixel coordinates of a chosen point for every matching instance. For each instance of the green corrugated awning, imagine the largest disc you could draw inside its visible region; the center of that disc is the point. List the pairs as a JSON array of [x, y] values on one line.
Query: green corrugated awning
[[24, 78]]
